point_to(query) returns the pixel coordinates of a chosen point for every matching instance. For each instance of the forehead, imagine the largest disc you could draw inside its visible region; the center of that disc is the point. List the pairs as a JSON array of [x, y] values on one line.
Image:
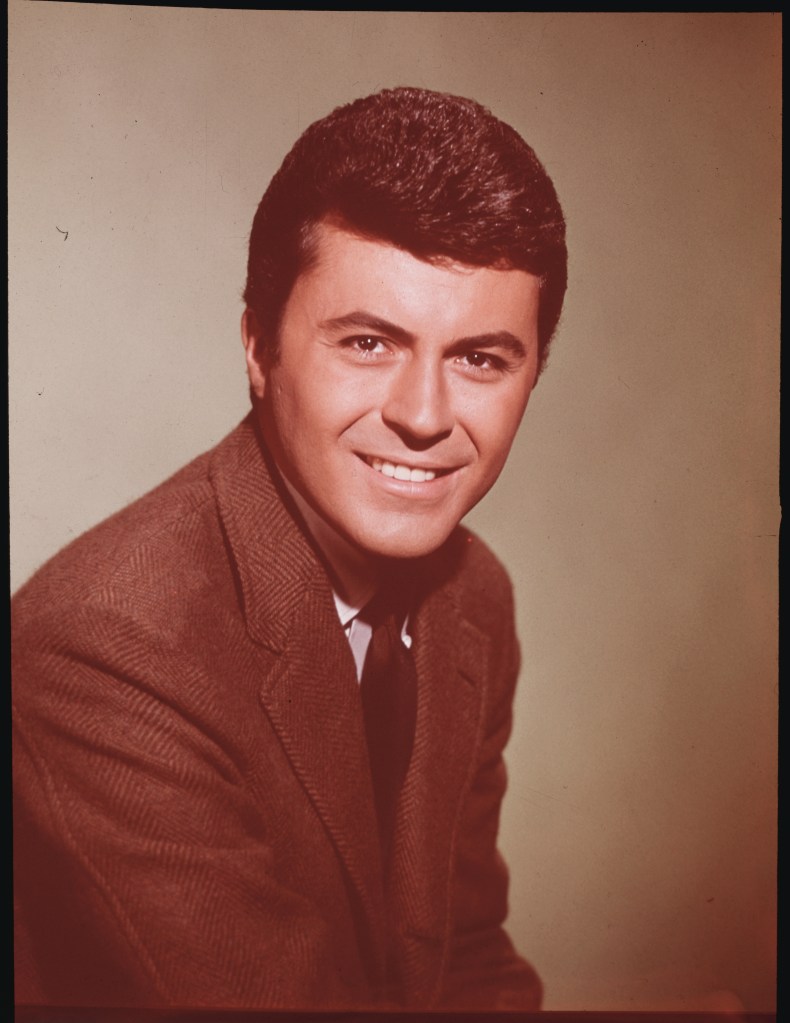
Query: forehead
[[349, 272]]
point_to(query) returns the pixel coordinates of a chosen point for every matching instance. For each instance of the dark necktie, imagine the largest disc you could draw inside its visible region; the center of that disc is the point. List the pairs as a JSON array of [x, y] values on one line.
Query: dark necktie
[[389, 702]]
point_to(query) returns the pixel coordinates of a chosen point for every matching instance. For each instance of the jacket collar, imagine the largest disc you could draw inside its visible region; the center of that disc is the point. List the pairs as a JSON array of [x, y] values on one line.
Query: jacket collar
[[276, 563]]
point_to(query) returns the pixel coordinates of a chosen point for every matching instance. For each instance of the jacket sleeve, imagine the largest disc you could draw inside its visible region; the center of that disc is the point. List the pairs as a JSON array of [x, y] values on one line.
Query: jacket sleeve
[[485, 971], [144, 874]]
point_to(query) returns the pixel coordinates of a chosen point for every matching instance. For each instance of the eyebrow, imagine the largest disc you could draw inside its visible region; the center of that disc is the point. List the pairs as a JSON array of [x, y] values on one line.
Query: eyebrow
[[361, 320], [500, 339]]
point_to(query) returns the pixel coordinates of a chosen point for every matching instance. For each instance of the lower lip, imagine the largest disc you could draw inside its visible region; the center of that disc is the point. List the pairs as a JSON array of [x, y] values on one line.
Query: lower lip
[[428, 490]]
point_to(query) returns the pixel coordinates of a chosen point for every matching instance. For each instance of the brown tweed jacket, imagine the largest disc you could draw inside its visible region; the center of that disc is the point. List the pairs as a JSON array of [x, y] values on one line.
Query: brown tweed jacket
[[193, 814]]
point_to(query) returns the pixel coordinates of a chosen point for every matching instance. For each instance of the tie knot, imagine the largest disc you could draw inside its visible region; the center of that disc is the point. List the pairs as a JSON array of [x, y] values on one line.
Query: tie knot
[[389, 607]]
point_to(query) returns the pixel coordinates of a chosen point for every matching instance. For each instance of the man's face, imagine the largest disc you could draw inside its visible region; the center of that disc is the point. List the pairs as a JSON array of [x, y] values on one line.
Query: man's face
[[398, 389]]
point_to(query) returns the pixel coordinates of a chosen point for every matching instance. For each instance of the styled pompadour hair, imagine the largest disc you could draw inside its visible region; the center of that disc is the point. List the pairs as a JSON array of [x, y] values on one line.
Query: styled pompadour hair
[[434, 174]]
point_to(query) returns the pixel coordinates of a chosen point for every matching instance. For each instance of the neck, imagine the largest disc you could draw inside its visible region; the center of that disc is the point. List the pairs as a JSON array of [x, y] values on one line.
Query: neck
[[355, 575]]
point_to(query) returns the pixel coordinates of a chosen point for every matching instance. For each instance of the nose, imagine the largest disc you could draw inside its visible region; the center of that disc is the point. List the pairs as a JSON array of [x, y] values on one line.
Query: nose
[[418, 404]]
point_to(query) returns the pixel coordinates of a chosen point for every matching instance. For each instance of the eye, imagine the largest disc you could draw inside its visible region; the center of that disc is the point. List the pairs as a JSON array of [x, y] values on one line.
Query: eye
[[365, 345], [481, 362]]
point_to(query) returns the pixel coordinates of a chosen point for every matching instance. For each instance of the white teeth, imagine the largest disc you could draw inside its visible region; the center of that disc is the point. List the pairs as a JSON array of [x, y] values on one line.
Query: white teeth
[[402, 472]]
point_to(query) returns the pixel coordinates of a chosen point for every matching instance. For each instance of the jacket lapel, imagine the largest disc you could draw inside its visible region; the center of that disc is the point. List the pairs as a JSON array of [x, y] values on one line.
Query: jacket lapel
[[314, 704], [308, 679], [451, 655]]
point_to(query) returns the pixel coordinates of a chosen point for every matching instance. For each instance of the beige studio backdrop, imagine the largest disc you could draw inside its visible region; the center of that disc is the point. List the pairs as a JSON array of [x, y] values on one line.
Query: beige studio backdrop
[[638, 513]]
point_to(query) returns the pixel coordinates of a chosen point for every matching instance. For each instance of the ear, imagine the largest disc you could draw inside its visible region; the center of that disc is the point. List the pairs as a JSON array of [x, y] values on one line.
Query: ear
[[254, 349]]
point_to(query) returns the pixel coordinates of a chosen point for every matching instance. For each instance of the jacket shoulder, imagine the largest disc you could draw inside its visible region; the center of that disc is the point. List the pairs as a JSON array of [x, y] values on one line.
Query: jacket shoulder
[[156, 543]]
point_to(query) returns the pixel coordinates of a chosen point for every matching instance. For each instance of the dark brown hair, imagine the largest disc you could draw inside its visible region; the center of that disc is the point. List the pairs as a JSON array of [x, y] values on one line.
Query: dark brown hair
[[434, 174]]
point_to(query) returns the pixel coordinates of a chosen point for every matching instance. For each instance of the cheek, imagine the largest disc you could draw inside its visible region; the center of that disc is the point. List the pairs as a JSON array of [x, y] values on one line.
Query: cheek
[[492, 423], [312, 407], [294, 399]]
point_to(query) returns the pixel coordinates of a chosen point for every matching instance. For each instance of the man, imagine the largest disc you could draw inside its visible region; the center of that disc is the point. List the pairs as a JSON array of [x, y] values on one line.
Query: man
[[260, 713]]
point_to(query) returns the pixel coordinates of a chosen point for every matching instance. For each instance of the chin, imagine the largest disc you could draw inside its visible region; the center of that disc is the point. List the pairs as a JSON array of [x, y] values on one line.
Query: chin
[[410, 543]]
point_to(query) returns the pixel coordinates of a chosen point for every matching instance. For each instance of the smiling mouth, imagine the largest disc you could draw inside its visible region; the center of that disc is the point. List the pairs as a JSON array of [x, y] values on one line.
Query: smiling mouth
[[401, 471]]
